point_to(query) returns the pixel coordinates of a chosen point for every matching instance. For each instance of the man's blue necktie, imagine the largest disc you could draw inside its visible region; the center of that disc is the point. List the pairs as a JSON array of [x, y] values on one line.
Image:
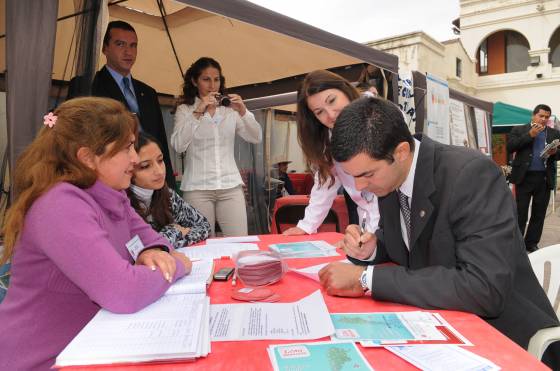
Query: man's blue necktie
[[129, 96]]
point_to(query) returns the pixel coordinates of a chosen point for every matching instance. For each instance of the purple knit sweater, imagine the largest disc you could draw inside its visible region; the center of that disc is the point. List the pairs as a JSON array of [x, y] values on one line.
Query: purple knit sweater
[[69, 262]]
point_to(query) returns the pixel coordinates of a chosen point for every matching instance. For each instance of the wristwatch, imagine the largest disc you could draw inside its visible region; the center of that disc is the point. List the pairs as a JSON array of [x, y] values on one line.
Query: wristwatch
[[363, 280]]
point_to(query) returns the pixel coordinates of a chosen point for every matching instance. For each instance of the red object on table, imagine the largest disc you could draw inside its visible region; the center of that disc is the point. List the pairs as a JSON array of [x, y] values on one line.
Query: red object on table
[[338, 206], [252, 355]]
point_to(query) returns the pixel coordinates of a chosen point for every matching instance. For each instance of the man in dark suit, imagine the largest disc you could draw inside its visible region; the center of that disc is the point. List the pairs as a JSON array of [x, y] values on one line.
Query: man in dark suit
[[532, 174], [447, 223], [115, 81]]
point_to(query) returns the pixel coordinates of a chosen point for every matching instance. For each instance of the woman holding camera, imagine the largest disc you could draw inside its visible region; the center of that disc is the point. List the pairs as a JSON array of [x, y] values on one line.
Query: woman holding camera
[[206, 123]]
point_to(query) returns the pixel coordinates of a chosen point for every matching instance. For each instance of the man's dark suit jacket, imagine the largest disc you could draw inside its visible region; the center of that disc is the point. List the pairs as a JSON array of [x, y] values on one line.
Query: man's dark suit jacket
[[521, 142], [151, 119], [466, 251]]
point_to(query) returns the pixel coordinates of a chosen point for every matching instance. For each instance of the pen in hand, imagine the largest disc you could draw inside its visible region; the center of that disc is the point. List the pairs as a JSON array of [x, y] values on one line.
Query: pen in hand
[[362, 229]]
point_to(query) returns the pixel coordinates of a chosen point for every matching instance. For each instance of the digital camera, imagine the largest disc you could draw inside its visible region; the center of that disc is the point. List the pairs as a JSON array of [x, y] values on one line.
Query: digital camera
[[223, 100]]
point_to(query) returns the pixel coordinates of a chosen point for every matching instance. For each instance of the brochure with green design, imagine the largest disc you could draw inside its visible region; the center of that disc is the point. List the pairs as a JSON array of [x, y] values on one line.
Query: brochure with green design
[[305, 249], [403, 328], [325, 356]]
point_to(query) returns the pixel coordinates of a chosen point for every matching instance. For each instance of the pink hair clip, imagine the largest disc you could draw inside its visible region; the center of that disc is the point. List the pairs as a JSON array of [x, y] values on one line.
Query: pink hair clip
[[49, 120]]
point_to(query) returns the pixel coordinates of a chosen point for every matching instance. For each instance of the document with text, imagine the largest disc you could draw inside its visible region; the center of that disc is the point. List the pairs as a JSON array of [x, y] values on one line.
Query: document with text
[[443, 358], [216, 250], [236, 239], [304, 319], [171, 328], [196, 281]]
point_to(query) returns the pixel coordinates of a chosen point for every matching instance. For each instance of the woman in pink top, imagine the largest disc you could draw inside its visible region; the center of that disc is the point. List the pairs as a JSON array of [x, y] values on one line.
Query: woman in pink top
[[67, 231]]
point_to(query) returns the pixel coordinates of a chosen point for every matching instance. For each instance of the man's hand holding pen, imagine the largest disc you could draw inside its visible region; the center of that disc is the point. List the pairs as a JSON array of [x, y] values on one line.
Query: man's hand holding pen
[[357, 244]]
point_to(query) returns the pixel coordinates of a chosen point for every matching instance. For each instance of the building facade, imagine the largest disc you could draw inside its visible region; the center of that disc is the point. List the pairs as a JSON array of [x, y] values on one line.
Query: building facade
[[507, 50]]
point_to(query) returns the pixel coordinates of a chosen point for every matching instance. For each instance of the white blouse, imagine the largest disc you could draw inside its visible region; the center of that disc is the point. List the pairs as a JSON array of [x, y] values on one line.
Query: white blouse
[[322, 198], [209, 145]]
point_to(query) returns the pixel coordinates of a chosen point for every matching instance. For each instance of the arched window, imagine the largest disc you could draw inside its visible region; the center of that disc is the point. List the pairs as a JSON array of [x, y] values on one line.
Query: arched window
[[554, 46], [503, 52]]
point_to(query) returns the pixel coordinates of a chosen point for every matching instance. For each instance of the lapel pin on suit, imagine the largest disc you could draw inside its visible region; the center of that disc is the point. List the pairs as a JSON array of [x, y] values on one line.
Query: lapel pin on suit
[[422, 213]]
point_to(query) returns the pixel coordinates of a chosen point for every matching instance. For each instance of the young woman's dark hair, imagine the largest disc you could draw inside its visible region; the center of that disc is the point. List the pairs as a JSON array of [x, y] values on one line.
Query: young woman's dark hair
[[160, 207], [312, 135], [190, 91]]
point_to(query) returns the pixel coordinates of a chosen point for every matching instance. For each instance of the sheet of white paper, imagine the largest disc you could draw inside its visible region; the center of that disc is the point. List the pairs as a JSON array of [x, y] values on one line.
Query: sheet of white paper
[[233, 239], [216, 250], [195, 282], [443, 358], [312, 272], [166, 329], [307, 318]]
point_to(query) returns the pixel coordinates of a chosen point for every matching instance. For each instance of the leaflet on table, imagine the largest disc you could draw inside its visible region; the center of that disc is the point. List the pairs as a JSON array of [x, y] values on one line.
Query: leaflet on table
[[312, 272], [171, 328], [399, 328], [237, 239], [216, 250], [317, 356], [196, 281], [304, 319], [304, 249], [443, 358]]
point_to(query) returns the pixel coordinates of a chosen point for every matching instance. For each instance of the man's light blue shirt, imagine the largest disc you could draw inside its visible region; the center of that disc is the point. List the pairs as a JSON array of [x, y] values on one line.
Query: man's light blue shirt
[[119, 78]]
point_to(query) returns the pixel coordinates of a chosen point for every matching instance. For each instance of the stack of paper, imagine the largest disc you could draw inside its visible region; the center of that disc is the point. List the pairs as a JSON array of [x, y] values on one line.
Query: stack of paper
[[174, 327], [196, 281], [216, 250]]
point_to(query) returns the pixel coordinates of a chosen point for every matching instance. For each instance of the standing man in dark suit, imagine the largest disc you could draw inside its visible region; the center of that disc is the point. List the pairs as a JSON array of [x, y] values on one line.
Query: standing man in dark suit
[[115, 81], [447, 222], [532, 174]]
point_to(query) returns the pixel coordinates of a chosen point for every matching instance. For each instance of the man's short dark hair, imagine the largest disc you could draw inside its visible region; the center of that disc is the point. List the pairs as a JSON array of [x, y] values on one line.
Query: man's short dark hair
[[121, 25], [369, 125], [543, 107]]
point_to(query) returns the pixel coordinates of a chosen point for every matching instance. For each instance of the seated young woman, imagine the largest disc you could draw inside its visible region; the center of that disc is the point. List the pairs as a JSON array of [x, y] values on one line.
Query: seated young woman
[[159, 205], [67, 232]]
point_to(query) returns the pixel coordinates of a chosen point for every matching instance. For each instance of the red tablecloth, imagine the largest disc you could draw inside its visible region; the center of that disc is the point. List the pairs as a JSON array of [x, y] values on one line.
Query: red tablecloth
[[339, 206], [252, 355]]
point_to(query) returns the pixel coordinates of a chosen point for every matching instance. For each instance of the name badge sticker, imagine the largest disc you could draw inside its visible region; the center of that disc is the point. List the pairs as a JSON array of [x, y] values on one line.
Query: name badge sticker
[[135, 247]]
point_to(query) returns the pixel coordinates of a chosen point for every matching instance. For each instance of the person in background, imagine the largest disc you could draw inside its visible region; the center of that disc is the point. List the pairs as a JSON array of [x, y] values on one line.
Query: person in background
[[533, 175], [367, 89], [287, 187], [159, 205], [114, 80], [206, 123], [321, 97], [67, 230], [448, 226]]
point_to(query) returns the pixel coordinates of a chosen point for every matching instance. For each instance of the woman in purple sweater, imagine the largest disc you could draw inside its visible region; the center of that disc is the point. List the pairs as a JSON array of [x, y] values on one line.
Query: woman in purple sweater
[[67, 232]]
